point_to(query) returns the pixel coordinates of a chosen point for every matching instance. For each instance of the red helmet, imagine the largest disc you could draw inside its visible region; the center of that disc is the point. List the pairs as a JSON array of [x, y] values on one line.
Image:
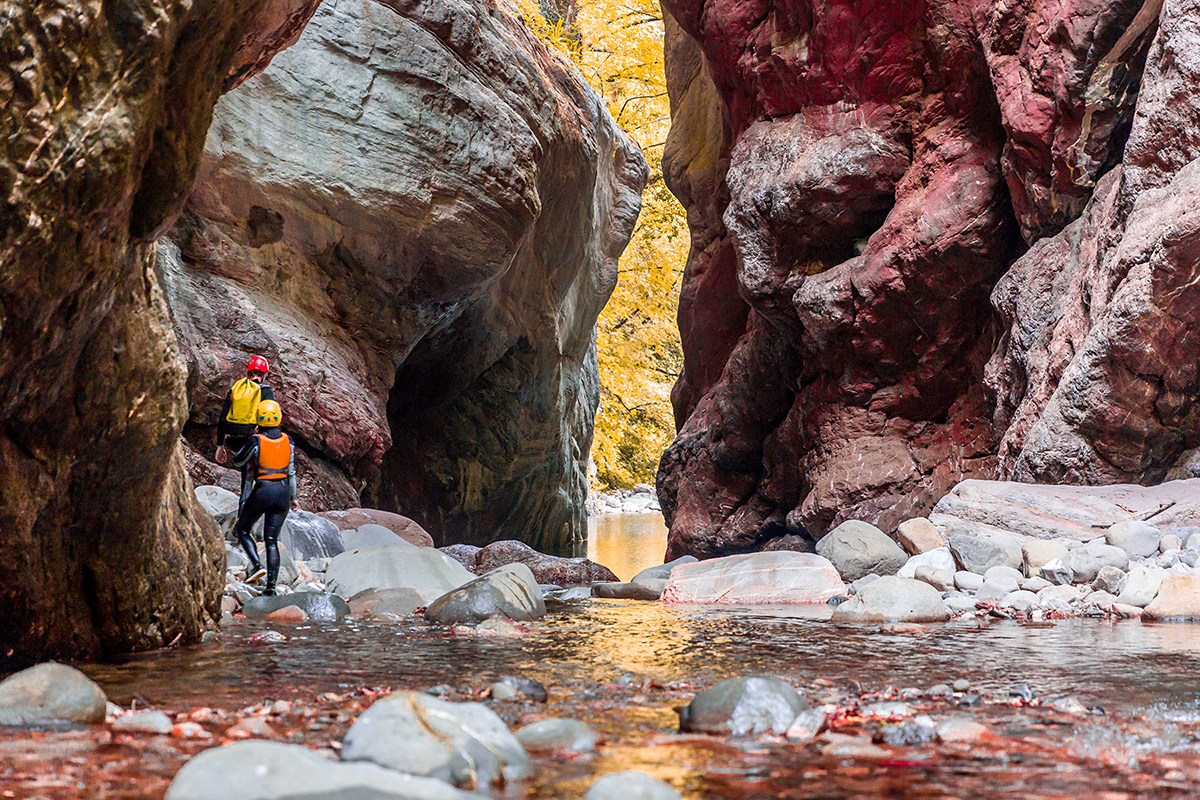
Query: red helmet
[[258, 364]]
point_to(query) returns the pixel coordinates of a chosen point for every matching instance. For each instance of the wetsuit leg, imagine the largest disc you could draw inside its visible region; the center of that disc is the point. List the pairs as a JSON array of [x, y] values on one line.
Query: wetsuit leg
[[251, 510], [276, 500]]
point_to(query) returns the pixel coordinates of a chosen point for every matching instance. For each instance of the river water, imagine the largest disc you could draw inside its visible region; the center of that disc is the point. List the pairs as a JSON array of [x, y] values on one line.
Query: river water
[[623, 666]]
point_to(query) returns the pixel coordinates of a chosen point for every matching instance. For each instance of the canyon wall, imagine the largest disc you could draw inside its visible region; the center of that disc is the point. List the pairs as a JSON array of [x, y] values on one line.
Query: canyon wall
[[922, 252], [105, 108], [415, 213]]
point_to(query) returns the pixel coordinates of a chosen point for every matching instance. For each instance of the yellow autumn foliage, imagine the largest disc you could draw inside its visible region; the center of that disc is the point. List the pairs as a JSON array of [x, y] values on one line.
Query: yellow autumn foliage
[[617, 45]]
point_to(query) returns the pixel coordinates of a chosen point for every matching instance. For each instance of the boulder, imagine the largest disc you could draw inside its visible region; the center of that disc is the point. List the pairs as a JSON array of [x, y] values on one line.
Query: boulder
[[1109, 579], [919, 535], [781, 576], [377, 602], [315, 605], [547, 569], [630, 786], [1036, 552], [1003, 572], [937, 558], [1178, 598], [462, 743], [1141, 585], [1170, 542], [940, 579], [626, 591], [1057, 571], [1085, 562], [372, 535], [464, 554], [968, 581], [221, 505], [509, 591], [566, 735], [422, 568], [858, 548], [978, 552], [258, 770], [402, 526], [996, 588], [51, 692], [743, 707], [892, 599], [307, 536], [1134, 537], [661, 572], [1020, 600]]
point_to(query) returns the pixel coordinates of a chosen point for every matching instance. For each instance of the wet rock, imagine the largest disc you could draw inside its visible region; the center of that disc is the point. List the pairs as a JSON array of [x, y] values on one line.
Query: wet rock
[[743, 706], [503, 691], [1141, 585], [256, 770], [968, 581], [461, 743], [402, 526], [558, 734], [940, 579], [307, 535], [1057, 572], [807, 725], [919, 535], [1109, 579], [155, 722], [776, 577], [318, 606], [1069, 705], [372, 535], [251, 728], [527, 687], [625, 591], [938, 558], [958, 729], [892, 599], [978, 552], [858, 548], [51, 692], [840, 744], [288, 613], [997, 588], [547, 569], [1134, 537], [911, 733], [656, 577], [961, 685], [462, 553], [397, 602], [573, 594], [1036, 552], [1086, 562], [630, 786], [1178, 598], [422, 568], [1020, 600], [221, 505], [509, 591]]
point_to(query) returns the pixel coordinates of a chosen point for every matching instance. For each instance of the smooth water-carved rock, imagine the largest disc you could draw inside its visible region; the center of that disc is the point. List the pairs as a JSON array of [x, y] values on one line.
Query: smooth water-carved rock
[[743, 706], [402, 526], [50, 692], [509, 591], [546, 568], [775, 577], [421, 568], [419, 227], [858, 548], [892, 599]]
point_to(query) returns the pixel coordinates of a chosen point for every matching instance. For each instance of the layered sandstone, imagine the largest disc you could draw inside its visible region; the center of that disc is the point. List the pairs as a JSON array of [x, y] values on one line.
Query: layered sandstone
[[870, 173], [415, 213]]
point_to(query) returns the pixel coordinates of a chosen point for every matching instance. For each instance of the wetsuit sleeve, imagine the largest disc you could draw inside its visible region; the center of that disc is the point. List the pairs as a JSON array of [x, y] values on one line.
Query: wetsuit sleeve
[[248, 455], [267, 393], [222, 422], [292, 469]]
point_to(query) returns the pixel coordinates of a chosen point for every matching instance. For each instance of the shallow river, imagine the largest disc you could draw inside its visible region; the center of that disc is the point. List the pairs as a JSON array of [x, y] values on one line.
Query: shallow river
[[623, 665]]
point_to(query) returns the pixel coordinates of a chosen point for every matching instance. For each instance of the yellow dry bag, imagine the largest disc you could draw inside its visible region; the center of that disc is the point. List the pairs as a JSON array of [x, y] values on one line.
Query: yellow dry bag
[[243, 402]]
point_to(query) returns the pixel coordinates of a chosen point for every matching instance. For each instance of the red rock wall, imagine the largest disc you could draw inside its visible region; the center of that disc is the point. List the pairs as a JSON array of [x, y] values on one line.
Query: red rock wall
[[878, 168]]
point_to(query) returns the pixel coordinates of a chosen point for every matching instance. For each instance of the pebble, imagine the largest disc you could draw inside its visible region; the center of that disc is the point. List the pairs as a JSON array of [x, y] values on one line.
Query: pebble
[[631, 786], [940, 690], [190, 730], [890, 708], [504, 691], [919, 730], [840, 744], [558, 734], [961, 685], [957, 729], [808, 725], [1069, 705], [1022, 691], [143, 722], [250, 728]]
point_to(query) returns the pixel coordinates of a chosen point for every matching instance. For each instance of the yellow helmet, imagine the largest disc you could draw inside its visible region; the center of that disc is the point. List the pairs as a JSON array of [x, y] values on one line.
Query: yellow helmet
[[269, 414]]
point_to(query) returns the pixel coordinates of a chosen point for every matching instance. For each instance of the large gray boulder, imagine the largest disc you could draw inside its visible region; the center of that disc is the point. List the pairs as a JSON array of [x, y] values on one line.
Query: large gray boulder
[[51, 692], [550, 569], [307, 536], [631, 785], [743, 706], [776, 577], [1085, 562], [422, 568], [510, 591], [221, 505], [1141, 585], [372, 535], [858, 548], [378, 602], [1134, 537], [979, 551], [463, 743], [892, 599], [318, 606], [276, 771], [654, 579]]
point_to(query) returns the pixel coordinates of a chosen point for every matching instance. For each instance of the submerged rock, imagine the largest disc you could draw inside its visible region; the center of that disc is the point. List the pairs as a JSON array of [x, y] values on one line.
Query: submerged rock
[[743, 706], [462, 743], [631, 786], [858, 548], [274, 771], [546, 568], [509, 591], [892, 599], [318, 606], [376, 602], [776, 577], [422, 568], [51, 692]]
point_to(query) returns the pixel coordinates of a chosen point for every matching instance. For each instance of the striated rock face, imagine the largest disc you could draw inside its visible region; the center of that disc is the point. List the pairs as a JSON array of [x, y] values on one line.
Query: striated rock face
[[858, 179], [415, 213], [105, 110]]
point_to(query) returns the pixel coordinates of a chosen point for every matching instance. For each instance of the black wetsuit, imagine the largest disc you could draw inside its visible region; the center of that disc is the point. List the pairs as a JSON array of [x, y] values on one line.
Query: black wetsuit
[[235, 435], [270, 499]]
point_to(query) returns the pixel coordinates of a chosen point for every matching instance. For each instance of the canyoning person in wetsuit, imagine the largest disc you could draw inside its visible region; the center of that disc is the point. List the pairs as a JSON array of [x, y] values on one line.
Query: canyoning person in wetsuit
[[240, 414], [268, 458]]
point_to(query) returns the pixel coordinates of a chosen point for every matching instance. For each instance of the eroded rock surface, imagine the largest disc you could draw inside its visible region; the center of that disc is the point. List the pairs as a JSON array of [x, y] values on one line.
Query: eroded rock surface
[[415, 213], [860, 180]]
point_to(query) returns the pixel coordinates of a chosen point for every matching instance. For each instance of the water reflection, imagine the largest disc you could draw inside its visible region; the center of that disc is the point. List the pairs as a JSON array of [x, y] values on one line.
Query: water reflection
[[627, 543]]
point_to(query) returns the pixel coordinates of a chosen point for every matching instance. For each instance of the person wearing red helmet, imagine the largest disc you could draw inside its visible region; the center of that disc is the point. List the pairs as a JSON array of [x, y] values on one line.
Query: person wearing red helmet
[[239, 416]]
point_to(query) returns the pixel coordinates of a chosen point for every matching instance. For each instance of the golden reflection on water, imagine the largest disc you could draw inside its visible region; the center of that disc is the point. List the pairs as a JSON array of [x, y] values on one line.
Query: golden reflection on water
[[627, 543]]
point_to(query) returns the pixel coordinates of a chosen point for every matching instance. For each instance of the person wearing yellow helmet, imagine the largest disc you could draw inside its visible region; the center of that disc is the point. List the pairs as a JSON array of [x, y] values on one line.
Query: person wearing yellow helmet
[[269, 459], [235, 426]]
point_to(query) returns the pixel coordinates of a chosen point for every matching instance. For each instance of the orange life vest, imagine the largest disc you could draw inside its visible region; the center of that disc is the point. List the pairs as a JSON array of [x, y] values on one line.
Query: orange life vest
[[274, 456]]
